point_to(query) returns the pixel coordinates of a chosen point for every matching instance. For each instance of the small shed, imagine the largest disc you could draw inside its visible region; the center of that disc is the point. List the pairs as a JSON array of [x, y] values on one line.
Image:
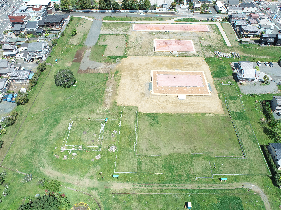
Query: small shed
[[187, 205], [223, 179]]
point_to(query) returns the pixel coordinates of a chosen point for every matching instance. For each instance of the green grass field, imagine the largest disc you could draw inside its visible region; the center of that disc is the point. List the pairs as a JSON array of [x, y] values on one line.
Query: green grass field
[[42, 130]]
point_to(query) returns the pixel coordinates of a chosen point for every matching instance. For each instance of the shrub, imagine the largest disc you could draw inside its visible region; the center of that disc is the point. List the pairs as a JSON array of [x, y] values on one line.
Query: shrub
[[64, 78], [1, 143], [22, 98], [10, 119], [41, 67], [34, 79], [54, 42], [74, 32]]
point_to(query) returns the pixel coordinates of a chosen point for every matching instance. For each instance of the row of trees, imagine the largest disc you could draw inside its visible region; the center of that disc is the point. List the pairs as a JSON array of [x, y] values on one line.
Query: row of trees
[[104, 5]]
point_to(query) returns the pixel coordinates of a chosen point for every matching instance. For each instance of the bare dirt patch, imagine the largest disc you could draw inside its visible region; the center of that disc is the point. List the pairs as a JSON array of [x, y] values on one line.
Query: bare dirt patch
[[133, 89], [17, 86], [82, 28], [115, 44], [79, 55]]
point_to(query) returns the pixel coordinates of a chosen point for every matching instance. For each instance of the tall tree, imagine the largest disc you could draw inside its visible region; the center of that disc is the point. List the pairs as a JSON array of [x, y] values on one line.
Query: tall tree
[[134, 4], [125, 4], [84, 4], [102, 5], [116, 6], [64, 5], [147, 4]]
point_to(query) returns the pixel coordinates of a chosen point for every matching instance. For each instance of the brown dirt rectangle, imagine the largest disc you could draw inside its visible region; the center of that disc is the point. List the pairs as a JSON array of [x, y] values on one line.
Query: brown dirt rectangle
[[170, 27], [133, 89], [173, 45], [79, 55], [176, 90]]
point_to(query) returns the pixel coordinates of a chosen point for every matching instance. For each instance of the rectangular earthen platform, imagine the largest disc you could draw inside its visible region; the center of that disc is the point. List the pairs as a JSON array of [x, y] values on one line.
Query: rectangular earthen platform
[[169, 45], [170, 27], [179, 83]]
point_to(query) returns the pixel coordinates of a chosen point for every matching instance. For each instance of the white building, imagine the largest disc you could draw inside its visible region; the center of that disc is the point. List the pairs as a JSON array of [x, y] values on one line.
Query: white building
[[220, 7]]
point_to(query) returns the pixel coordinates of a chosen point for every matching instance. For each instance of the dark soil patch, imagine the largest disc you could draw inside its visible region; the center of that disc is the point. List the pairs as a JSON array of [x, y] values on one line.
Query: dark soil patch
[[79, 55]]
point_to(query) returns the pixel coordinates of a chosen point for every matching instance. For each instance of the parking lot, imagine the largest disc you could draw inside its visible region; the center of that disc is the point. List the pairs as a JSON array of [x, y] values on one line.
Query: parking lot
[[274, 72]]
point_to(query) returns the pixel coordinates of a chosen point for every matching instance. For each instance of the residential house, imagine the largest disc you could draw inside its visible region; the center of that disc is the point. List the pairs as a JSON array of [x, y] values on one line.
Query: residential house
[[220, 7], [31, 27], [19, 76], [9, 50], [18, 28], [270, 39], [17, 19], [5, 67], [236, 17], [254, 16], [253, 22], [249, 31], [36, 50], [233, 2], [267, 29], [275, 151], [55, 22], [234, 10], [248, 8]]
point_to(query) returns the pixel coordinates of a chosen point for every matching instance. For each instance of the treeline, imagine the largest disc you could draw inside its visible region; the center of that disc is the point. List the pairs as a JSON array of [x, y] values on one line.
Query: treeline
[[67, 5]]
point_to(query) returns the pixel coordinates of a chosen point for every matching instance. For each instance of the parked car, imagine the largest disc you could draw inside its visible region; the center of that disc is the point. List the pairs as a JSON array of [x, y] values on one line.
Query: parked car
[[258, 63], [266, 63], [270, 64]]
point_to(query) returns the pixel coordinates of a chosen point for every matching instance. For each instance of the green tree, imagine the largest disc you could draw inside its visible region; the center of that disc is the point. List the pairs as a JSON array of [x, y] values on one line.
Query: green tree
[[133, 4], [10, 119], [22, 98], [266, 79], [147, 4], [46, 202], [64, 78], [64, 5], [190, 5], [33, 81], [42, 66], [173, 5], [2, 177], [102, 5], [125, 4], [84, 4], [57, 7], [116, 6], [74, 32]]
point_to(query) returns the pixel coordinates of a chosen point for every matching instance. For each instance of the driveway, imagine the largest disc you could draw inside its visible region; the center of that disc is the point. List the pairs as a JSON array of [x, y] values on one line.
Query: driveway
[[94, 32], [258, 88]]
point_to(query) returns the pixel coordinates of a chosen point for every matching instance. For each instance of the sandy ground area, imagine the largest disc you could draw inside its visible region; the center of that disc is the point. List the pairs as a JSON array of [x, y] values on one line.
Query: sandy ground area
[[133, 89]]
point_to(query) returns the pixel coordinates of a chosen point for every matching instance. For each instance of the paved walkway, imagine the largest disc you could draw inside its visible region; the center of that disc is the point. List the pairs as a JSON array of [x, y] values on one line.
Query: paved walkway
[[94, 32], [173, 21]]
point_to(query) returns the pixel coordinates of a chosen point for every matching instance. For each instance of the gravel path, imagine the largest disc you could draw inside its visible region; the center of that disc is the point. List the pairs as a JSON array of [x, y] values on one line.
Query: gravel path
[[94, 32]]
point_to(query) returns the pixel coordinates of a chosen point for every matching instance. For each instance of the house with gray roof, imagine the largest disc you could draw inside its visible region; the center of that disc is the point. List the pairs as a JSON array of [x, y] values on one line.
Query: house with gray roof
[[31, 26], [249, 31], [248, 8], [233, 2], [19, 76], [234, 10], [275, 151], [276, 105], [35, 50], [5, 67], [9, 50]]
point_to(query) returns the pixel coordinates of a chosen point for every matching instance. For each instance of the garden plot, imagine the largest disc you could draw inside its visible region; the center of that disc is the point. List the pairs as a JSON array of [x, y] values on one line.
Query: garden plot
[[116, 28], [82, 28], [115, 44]]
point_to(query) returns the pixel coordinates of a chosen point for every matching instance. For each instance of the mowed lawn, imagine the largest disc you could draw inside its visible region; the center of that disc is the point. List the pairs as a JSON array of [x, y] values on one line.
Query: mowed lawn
[[163, 134], [47, 121], [176, 199]]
